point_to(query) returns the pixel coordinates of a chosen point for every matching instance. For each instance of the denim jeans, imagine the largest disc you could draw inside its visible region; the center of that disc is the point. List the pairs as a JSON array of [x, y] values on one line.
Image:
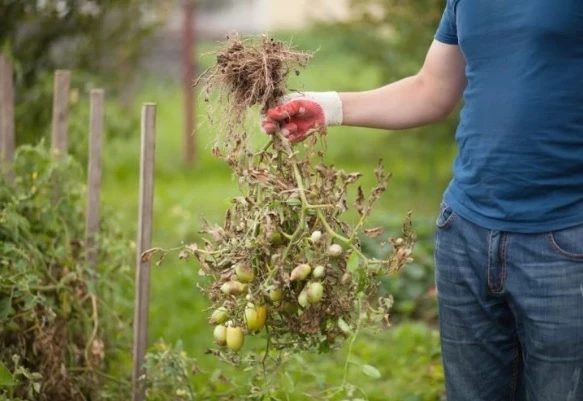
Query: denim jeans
[[510, 312]]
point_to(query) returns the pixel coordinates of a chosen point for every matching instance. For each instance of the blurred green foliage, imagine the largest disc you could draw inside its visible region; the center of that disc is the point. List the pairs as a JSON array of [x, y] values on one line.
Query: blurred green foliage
[[394, 36], [104, 40]]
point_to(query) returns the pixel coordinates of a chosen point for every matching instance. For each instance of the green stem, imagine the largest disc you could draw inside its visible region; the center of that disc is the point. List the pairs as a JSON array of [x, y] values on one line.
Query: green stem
[[266, 353], [262, 152], [351, 345], [339, 237], [296, 233], [208, 252], [358, 225], [319, 206], [300, 184]]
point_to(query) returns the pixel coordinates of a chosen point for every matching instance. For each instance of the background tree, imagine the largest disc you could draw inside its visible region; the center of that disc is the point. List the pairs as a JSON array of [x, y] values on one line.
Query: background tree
[[104, 40]]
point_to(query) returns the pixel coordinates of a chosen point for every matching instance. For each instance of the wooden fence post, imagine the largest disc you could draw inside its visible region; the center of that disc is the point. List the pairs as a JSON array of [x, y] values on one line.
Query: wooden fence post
[[144, 242], [94, 174], [7, 130], [61, 90], [187, 78]]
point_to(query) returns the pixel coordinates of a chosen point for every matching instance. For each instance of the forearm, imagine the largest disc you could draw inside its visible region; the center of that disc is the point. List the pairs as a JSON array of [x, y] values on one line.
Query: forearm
[[422, 99], [407, 103]]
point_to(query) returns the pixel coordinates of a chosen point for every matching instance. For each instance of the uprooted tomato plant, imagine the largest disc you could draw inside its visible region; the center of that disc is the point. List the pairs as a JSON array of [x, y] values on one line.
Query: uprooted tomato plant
[[285, 263]]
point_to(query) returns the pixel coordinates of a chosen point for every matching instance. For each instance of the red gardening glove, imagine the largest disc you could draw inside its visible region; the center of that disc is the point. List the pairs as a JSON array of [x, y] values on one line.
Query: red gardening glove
[[300, 115]]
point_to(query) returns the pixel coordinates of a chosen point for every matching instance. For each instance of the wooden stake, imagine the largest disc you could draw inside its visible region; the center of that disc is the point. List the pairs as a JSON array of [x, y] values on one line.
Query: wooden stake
[[7, 131], [62, 86], [142, 293], [187, 78], [94, 174]]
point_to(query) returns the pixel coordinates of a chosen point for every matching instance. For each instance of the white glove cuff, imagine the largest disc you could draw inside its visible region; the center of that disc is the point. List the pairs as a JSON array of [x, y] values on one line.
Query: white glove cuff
[[329, 101]]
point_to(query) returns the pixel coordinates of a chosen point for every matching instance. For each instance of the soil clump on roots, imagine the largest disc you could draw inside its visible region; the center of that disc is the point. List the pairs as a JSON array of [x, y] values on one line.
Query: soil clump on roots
[[248, 72]]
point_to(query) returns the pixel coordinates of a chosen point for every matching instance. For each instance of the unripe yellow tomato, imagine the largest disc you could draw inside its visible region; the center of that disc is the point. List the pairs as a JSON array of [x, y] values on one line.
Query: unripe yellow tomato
[[315, 292], [244, 273], [276, 294], [219, 316], [315, 237], [290, 308], [318, 271], [235, 338], [255, 317], [300, 272], [220, 334], [334, 250], [275, 238], [303, 298], [233, 288]]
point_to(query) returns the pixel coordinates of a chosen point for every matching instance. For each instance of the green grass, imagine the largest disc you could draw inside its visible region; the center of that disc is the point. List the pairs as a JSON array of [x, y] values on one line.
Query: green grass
[[407, 355]]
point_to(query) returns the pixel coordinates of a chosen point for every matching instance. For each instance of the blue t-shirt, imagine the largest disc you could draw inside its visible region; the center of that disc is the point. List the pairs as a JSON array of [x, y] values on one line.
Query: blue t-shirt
[[519, 165]]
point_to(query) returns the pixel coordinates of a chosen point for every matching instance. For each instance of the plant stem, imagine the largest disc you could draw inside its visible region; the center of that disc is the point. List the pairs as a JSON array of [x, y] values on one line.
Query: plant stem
[[95, 318], [339, 237], [358, 225], [262, 152], [296, 233], [266, 353]]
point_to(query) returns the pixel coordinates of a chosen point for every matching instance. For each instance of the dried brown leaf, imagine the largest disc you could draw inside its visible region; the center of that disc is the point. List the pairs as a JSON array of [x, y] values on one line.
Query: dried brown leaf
[[352, 177], [147, 255], [359, 202], [374, 232]]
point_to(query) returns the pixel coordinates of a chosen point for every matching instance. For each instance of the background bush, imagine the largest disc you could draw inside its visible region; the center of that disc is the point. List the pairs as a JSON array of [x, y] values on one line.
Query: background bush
[[59, 318]]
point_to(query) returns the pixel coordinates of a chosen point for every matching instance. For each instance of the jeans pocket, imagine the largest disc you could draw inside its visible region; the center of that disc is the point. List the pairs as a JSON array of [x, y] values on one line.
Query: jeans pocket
[[568, 242], [445, 217]]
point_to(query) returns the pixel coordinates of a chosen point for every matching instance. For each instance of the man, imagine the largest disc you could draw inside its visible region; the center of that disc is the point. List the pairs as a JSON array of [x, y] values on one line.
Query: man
[[509, 240]]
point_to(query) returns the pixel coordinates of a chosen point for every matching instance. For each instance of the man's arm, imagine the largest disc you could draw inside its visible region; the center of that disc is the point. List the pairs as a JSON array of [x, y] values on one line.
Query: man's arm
[[425, 98]]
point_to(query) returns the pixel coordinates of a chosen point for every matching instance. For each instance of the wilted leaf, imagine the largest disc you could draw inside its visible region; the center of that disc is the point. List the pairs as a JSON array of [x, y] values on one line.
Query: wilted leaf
[[193, 247], [374, 232], [352, 177], [359, 203], [147, 255], [216, 151], [341, 205], [380, 172]]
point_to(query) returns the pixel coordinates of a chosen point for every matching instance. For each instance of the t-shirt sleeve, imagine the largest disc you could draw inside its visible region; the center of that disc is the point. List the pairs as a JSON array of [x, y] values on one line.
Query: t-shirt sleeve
[[447, 30]]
